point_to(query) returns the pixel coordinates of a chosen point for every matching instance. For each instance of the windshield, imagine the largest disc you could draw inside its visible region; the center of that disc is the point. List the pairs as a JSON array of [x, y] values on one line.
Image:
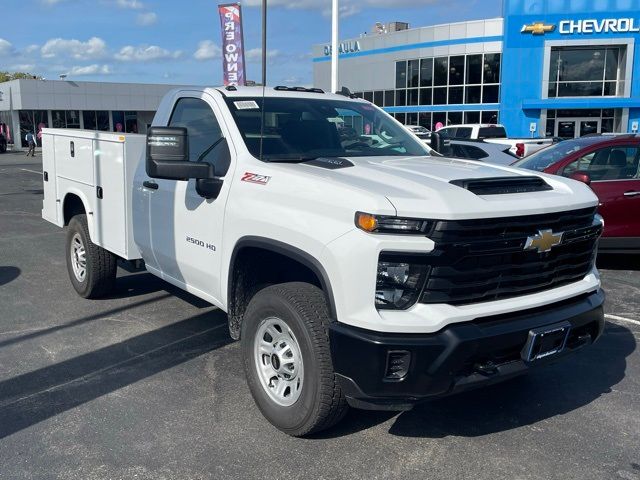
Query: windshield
[[298, 129], [550, 155]]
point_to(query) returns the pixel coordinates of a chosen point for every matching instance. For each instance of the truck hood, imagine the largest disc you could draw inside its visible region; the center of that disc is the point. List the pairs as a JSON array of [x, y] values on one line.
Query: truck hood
[[420, 186]]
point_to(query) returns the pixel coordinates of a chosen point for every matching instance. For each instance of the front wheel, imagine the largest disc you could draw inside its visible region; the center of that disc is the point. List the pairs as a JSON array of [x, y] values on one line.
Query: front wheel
[[287, 359], [92, 269]]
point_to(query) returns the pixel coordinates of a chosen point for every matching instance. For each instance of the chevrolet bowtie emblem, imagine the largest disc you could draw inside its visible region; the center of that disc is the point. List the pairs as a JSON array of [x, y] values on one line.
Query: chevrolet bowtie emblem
[[543, 241], [537, 28]]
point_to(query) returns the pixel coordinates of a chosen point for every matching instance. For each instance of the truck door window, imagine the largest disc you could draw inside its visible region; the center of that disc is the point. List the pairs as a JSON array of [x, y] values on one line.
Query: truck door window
[[204, 130]]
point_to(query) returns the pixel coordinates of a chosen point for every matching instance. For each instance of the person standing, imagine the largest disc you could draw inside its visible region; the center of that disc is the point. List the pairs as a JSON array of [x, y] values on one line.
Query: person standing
[[31, 141]]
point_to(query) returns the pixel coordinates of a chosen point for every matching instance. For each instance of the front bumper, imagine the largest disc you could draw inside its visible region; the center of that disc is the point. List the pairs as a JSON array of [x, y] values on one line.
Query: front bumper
[[458, 357]]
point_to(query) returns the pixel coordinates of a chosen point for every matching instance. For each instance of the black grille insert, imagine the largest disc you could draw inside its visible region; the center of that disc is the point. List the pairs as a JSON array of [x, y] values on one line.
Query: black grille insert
[[502, 185], [484, 260]]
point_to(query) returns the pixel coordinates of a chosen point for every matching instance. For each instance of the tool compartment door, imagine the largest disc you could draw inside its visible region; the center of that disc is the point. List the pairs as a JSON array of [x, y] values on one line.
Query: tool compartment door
[[50, 200], [110, 215]]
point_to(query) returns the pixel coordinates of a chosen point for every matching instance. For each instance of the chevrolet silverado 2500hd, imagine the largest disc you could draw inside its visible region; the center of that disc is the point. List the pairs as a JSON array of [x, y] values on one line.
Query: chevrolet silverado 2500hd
[[355, 271]]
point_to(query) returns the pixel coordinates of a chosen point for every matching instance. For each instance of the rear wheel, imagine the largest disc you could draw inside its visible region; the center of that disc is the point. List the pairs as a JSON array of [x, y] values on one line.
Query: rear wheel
[[287, 359], [92, 269]]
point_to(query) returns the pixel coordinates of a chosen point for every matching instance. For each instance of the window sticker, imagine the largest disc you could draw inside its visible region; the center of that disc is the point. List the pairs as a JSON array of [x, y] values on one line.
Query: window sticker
[[246, 105]]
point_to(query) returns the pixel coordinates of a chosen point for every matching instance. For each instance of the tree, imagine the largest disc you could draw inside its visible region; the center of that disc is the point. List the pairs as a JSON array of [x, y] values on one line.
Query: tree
[[6, 76]]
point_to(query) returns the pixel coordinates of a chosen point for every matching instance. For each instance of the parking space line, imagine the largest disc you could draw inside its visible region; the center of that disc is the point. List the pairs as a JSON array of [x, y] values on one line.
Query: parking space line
[[31, 171], [621, 319]]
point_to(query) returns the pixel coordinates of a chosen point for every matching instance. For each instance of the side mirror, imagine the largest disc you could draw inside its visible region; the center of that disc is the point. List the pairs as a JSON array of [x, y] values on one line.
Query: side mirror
[[581, 177], [168, 155], [436, 142]]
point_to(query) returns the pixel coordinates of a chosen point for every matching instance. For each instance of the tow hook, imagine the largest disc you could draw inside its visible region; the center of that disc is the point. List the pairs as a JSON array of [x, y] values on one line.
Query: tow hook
[[488, 368]]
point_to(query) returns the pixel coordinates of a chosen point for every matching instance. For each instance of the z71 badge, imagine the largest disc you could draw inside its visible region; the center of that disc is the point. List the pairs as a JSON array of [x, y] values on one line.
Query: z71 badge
[[255, 178]]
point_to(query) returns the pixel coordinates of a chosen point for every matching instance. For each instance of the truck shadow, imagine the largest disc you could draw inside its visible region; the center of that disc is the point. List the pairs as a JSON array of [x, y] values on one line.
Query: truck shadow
[[142, 283], [30, 398], [554, 390], [8, 274]]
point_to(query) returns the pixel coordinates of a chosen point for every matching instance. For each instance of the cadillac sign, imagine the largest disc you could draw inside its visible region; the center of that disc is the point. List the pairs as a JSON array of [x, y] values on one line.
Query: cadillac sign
[[344, 47]]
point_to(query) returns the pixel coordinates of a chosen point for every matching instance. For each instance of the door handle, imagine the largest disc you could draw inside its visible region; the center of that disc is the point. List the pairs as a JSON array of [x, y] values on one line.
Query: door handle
[[631, 194], [151, 185]]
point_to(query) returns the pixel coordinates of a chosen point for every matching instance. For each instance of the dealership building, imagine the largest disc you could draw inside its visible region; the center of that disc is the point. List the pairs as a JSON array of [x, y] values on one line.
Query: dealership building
[[547, 68], [28, 105]]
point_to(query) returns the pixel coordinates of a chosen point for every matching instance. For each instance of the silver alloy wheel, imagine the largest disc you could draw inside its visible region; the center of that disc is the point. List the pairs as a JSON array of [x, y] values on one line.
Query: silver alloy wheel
[[78, 258], [278, 361]]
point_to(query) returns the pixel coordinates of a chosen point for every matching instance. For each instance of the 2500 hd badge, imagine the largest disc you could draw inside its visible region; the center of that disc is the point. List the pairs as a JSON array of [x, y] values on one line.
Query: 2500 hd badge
[[200, 243]]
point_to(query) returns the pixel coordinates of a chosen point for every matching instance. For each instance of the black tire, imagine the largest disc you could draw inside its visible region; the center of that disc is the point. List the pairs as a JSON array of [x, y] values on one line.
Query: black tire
[[3, 147], [303, 308], [100, 264]]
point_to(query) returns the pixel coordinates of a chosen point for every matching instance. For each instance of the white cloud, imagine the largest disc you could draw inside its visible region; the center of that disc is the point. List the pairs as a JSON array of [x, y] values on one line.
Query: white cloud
[[93, 48], [255, 54], [5, 47], [347, 7], [207, 50], [22, 67], [132, 4], [94, 69], [145, 53], [146, 19], [31, 48]]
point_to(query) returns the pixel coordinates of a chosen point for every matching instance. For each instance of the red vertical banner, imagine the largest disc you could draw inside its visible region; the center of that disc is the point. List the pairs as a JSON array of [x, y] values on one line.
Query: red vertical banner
[[232, 44]]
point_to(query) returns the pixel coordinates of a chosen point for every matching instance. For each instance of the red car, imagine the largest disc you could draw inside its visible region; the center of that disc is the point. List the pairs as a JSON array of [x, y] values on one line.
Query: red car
[[609, 165]]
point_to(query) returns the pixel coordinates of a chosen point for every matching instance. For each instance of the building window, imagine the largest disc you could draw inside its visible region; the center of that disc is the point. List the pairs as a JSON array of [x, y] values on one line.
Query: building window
[[456, 70], [125, 122], [73, 118], [32, 121], [378, 98], [95, 120], [586, 72], [441, 71], [426, 72], [401, 74], [455, 80]]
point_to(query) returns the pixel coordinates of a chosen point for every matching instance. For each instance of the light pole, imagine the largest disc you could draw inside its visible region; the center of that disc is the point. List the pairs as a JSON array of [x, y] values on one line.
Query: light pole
[[334, 46]]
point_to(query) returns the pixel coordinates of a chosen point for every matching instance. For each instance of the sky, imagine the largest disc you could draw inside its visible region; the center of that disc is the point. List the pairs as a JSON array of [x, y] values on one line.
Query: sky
[[178, 42]]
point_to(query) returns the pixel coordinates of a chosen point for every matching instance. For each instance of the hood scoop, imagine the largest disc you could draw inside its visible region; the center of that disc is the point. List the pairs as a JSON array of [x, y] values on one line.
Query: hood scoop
[[502, 185], [331, 163]]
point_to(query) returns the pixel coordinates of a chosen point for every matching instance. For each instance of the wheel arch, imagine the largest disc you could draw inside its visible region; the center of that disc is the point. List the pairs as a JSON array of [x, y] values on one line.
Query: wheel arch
[[236, 304], [76, 203]]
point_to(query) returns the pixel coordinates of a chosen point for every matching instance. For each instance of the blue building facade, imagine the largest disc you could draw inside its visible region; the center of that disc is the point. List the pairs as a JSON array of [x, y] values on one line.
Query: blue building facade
[[547, 68]]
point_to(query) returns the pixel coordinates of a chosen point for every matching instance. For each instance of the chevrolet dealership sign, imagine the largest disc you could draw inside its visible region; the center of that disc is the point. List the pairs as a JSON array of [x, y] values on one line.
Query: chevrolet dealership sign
[[588, 26]]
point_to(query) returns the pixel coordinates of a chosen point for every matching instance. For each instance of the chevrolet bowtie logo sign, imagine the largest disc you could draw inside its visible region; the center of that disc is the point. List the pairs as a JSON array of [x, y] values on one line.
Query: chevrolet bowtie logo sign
[[537, 28], [543, 241]]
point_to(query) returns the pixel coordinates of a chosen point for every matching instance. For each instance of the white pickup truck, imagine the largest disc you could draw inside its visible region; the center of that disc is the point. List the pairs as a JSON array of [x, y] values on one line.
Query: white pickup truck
[[520, 147], [355, 271]]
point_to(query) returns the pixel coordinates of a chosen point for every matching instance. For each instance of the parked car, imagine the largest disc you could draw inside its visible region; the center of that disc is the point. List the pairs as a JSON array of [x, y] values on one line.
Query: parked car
[[421, 132], [609, 165], [479, 150], [520, 147]]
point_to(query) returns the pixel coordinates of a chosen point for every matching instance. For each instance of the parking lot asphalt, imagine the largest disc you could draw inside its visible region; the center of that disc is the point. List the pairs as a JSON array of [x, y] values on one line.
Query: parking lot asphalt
[[147, 384]]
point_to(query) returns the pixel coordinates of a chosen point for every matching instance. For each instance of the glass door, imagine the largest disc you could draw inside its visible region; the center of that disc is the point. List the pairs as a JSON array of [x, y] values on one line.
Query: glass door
[[577, 127]]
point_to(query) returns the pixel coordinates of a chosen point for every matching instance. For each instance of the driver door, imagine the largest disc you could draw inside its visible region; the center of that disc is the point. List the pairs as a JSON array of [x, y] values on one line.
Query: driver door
[[186, 229]]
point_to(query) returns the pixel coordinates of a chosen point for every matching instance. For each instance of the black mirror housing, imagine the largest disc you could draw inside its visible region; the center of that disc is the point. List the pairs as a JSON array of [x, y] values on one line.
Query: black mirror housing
[[209, 187], [168, 155]]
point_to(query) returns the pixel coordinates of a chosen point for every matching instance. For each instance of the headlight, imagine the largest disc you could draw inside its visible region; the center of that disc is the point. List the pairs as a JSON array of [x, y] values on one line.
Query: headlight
[[400, 281], [388, 224]]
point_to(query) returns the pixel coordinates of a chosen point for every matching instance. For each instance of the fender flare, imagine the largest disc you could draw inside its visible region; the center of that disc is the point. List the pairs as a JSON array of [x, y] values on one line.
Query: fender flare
[[286, 250], [85, 203]]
